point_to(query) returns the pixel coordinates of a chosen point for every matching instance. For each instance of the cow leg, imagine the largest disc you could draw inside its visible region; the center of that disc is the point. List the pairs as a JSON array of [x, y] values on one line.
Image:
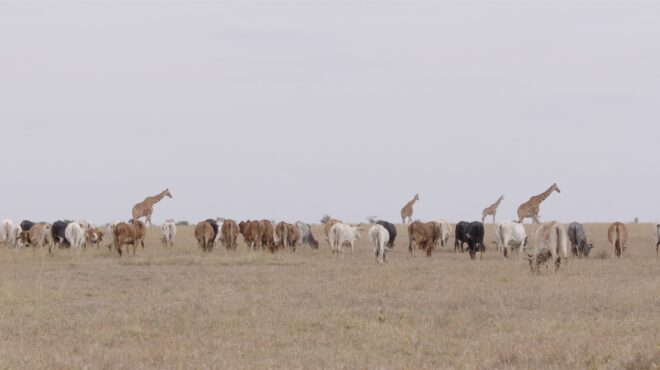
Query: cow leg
[[384, 254]]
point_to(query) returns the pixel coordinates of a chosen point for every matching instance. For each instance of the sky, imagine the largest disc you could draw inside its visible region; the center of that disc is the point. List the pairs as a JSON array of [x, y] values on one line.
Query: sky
[[290, 110]]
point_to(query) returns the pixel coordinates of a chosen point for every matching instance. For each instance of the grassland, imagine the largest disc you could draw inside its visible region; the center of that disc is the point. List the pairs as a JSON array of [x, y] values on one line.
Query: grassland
[[178, 308]]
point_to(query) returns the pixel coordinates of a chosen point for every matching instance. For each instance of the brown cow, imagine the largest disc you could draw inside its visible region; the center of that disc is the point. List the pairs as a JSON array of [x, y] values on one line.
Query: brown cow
[[281, 231], [250, 231], [205, 236], [39, 236], [230, 234], [423, 236], [267, 235], [94, 236], [293, 235], [617, 234], [132, 233]]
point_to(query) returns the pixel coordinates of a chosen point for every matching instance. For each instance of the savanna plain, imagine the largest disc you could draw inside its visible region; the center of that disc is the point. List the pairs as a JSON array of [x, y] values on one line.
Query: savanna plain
[[179, 308]]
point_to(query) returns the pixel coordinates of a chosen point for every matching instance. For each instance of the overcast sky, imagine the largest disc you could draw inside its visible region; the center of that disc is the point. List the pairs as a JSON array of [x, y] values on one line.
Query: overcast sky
[[291, 110]]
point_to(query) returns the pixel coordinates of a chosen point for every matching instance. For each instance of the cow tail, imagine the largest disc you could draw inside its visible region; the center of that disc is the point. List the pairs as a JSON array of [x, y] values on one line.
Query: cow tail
[[617, 241], [563, 243]]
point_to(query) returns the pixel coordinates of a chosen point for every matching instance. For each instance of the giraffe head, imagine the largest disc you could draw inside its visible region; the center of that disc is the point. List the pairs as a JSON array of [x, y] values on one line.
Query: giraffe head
[[416, 196], [556, 187], [167, 193]]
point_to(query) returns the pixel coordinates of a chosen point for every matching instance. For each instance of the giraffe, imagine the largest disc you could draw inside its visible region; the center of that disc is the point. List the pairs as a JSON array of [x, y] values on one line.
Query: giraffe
[[531, 207], [146, 207], [491, 210], [407, 210]]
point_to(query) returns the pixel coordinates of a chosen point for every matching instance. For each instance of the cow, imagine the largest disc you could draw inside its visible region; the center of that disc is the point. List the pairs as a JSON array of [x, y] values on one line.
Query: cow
[[27, 225], [168, 232], [38, 236], [250, 231], [13, 239], [578, 238], [76, 234], [391, 231], [445, 232], [474, 234], [86, 224], [656, 230], [205, 235], [617, 234], [306, 235], [423, 235], [128, 233], [219, 237], [341, 235], [267, 235], [293, 235], [510, 234], [94, 236], [214, 226], [230, 234], [5, 229], [550, 243], [327, 226], [459, 235], [380, 237], [281, 232], [59, 237]]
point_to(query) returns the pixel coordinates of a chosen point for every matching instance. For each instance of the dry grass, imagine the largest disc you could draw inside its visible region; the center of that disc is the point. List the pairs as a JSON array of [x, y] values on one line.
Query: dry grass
[[177, 308]]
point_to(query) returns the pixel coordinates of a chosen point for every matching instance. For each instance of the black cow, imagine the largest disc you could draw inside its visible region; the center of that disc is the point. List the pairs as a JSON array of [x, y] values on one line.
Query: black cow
[[58, 233], [459, 235], [214, 226], [391, 229], [578, 238], [475, 239], [27, 225]]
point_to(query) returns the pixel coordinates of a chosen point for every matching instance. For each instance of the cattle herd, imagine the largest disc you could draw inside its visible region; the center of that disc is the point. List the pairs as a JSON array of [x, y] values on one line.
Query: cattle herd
[[550, 239]]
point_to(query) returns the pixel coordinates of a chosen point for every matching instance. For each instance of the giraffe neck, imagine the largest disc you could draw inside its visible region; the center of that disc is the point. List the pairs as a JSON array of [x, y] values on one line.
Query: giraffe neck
[[546, 193], [497, 204], [155, 199]]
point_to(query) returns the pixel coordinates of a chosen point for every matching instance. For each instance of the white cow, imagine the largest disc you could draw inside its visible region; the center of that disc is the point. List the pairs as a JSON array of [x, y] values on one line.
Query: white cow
[[510, 234], [445, 232], [342, 234], [13, 240], [75, 234], [5, 229], [168, 229], [379, 236], [219, 237], [550, 240], [86, 224]]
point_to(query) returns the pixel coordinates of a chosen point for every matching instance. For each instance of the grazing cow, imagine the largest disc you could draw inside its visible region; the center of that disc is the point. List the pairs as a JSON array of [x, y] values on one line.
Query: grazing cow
[[459, 235], [267, 235], [475, 239], [219, 237], [423, 235], [250, 231], [293, 236], [128, 233], [27, 225], [578, 238], [168, 231], [59, 237], [214, 226], [391, 231], [656, 232], [445, 232], [550, 241], [510, 234], [343, 235], [327, 226], [281, 232], [230, 234], [306, 235], [205, 235], [13, 240], [38, 236], [76, 235], [5, 229], [380, 237], [93, 236], [617, 234]]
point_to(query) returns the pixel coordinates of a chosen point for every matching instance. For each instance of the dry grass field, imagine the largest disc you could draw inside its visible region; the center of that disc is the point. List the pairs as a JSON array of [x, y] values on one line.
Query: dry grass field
[[178, 308]]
